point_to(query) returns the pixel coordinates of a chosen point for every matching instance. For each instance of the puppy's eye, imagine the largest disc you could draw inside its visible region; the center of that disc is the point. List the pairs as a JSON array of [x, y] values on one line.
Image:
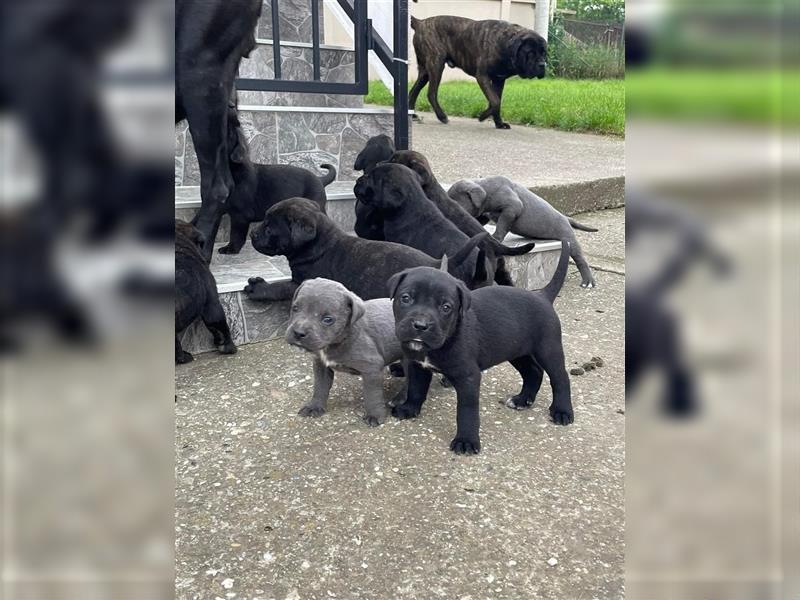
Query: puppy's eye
[[405, 299], [447, 307], [328, 320], [295, 307]]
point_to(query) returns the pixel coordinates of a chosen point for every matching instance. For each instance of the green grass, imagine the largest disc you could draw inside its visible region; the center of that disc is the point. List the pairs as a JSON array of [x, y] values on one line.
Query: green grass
[[567, 104], [740, 96]]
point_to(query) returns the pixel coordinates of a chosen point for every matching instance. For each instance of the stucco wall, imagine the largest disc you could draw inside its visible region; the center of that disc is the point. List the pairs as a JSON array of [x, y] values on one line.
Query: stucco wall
[[515, 11]]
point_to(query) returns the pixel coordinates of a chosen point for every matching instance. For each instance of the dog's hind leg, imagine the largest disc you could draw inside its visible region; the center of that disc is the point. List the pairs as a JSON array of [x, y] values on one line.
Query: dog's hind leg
[[501, 274], [239, 229], [435, 77], [214, 318], [421, 82], [587, 279], [550, 356], [181, 356], [531, 374], [493, 90]]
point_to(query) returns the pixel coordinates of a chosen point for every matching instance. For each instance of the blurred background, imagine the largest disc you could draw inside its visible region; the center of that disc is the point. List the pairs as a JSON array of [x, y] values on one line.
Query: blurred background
[[712, 299], [86, 366], [86, 309]]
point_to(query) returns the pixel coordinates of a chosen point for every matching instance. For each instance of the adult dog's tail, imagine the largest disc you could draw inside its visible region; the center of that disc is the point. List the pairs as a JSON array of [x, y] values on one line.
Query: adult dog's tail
[[557, 282], [329, 176], [581, 226]]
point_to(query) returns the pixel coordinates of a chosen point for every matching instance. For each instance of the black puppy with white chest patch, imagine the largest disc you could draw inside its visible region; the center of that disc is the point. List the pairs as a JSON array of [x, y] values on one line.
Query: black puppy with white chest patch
[[445, 327]]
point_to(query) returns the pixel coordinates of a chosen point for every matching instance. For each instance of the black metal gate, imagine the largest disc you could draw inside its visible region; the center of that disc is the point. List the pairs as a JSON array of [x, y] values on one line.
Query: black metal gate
[[365, 39]]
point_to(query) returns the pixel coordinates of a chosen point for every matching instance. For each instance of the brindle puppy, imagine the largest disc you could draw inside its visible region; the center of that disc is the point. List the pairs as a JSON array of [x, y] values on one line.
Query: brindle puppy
[[491, 51]]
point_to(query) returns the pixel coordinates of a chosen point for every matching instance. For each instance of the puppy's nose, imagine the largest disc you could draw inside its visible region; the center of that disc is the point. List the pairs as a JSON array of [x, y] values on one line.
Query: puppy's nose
[[420, 325], [299, 333]]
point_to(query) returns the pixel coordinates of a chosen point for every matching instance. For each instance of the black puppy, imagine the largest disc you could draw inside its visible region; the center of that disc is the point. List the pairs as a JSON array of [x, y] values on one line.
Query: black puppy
[[491, 51], [258, 187], [317, 247], [196, 292], [379, 148], [449, 207], [410, 218], [211, 37], [445, 327]]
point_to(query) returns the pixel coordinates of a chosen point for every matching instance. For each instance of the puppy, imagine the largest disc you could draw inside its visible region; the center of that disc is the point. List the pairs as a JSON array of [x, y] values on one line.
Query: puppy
[[344, 333], [444, 327], [317, 247], [196, 292], [410, 218], [491, 51], [516, 209], [378, 149], [451, 209], [260, 186]]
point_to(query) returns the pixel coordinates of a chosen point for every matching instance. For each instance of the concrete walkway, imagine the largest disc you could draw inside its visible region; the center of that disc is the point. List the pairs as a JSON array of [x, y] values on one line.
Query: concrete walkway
[[530, 156], [273, 505]]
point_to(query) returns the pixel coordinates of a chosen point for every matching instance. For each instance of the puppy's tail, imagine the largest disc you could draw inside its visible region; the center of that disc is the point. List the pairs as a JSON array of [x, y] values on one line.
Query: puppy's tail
[[556, 283], [498, 249], [329, 176], [464, 253], [581, 226]]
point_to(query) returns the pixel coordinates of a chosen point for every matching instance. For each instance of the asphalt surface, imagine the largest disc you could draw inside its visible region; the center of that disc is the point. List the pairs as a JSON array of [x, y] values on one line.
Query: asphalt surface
[[273, 505]]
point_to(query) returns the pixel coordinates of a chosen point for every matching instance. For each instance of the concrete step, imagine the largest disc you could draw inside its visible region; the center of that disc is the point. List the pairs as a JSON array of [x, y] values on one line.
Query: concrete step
[[305, 136], [337, 65], [252, 322]]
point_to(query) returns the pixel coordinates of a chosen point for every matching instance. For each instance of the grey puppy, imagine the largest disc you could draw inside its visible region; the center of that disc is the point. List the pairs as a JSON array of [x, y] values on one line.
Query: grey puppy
[[344, 333], [517, 209]]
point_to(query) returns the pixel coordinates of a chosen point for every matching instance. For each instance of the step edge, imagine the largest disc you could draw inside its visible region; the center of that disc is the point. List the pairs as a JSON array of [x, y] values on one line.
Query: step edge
[[270, 42]]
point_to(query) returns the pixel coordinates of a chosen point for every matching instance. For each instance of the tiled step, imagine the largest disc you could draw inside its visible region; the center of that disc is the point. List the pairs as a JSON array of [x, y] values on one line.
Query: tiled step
[[305, 136], [252, 322]]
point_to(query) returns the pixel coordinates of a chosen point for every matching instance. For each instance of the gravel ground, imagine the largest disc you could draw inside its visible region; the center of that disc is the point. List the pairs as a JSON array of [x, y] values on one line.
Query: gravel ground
[[272, 505]]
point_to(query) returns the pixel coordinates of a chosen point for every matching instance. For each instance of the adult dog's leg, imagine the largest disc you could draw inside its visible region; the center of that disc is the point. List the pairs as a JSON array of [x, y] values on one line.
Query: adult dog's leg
[[206, 110], [239, 229], [181, 356], [493, 90], [550, 355], [421, 82], [531, 374], [435, 77], [419, 380], [214, 318]]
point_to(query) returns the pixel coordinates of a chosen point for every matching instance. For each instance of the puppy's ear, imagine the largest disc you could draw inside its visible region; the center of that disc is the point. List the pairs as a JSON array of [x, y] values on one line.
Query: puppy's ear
[[394, 282], [302, 233], [476, 196], [443, 266], [464, 298], [357, 308], [297, 291]]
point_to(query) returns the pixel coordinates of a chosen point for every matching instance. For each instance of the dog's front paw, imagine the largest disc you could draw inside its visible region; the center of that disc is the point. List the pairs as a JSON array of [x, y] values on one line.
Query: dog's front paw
[[373, 420], [562, 416], [252, 284], [461, 445], [503, 126], [311, 410], [183, 358], [404, 411], [519, 402], [588, 284], [228, 250]]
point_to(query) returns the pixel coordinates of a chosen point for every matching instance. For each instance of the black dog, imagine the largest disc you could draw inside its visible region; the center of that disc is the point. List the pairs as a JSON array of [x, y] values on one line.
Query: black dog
[[196, 292], [317, 247], [443, 326], [211, 37], [378, 149], [410, 218], [449, 207], [491, 51], [258, 187]]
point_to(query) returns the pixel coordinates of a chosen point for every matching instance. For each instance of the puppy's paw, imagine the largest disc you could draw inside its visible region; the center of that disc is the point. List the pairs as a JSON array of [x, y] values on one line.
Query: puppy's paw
[[373, 420], [228, 250], [561, 416], [503, 126], [310, 410], [183, 358], [461, 445], [404, 411], [229, 348], [588, 284], [519, 402]]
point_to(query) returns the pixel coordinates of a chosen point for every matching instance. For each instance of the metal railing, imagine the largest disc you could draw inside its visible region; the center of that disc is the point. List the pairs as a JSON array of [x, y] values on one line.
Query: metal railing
[[365, 38]]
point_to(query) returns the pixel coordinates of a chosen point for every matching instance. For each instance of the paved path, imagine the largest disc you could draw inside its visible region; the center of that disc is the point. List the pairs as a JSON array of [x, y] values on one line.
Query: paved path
[[272, 505], [529, 155]]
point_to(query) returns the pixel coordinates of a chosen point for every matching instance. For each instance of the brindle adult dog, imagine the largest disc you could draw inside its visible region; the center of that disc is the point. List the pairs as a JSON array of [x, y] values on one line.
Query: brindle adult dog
[[491, 51]]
